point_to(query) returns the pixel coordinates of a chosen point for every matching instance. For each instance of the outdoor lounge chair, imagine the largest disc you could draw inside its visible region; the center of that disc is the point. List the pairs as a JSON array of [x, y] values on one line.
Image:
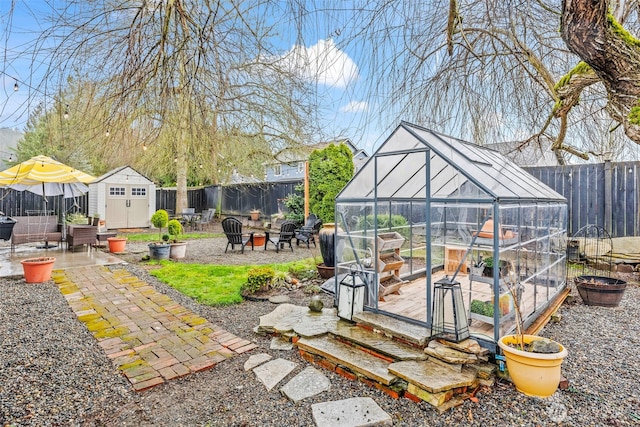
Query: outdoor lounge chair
[[307, 233], [233, 230], [287, 233], [205, 219]]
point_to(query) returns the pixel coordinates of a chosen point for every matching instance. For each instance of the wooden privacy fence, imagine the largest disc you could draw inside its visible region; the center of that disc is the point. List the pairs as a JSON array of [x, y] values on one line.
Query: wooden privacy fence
[[605, 194]]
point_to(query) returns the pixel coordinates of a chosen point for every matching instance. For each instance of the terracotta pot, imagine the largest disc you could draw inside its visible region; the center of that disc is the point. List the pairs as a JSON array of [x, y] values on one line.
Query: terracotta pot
[[534, 374], [259, 240], [37, 270], [255, 215], [117, 244], [178, 250]]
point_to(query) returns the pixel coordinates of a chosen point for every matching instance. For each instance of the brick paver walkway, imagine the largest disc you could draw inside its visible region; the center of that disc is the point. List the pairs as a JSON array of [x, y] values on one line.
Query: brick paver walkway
[[147, 335]]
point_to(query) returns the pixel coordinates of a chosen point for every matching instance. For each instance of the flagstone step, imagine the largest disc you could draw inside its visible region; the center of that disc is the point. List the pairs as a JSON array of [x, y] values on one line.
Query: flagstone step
[[348, 356], [433, 377], [377, 342], [408, 332]]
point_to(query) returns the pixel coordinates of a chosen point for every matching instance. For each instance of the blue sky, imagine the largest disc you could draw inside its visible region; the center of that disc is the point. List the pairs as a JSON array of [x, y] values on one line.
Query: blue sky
[[338, 78]]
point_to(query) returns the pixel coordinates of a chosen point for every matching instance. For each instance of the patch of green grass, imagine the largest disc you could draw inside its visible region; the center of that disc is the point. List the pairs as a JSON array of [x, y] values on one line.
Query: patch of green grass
[[153, 237], [215, 284]]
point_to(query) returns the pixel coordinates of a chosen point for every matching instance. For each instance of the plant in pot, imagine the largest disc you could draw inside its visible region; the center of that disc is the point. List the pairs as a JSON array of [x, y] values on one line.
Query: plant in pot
[[178, 249], [160, 250], [255, 214], [533, 362], [259, 281]]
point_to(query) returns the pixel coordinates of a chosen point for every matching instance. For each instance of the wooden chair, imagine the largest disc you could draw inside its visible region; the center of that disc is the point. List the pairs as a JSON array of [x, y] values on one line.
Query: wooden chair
[[287, 233], [307, 234], [233, 230]]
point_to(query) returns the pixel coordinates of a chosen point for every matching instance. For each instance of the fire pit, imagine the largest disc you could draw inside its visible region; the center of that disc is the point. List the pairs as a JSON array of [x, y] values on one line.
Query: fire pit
[[601, 291]]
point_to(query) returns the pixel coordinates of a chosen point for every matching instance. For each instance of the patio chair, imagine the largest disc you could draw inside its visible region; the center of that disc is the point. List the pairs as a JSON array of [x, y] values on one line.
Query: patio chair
[[205, 219], [233, 230], [307, 234], [287, 233]]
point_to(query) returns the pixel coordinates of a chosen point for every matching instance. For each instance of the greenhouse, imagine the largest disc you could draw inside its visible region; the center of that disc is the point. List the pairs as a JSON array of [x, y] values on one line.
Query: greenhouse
[[428, 209]]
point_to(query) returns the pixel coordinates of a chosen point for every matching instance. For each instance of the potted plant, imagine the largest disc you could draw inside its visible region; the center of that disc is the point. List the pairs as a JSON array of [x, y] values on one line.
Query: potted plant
[[37, 270], [160, 250], [533, 362], [178, 249], [255, 214], [117, 244]]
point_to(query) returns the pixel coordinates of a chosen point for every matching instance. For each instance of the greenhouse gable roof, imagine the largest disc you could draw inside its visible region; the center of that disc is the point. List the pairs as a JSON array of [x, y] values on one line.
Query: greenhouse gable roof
[[457, 169]]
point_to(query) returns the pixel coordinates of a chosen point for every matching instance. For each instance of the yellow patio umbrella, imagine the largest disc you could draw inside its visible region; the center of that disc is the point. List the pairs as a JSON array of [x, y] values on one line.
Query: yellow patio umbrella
[[47, 177]]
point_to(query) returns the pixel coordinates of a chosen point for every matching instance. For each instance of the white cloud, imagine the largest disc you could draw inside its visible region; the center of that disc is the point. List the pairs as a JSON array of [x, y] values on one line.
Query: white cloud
[[323, 63], [354, 107]]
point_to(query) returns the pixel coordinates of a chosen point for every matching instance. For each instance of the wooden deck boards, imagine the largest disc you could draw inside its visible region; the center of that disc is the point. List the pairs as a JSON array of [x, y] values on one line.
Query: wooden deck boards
[[411, 301]]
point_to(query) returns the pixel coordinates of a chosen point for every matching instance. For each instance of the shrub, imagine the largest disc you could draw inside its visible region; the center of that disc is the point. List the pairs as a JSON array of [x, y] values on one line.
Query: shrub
[[258, 278], [330, 170], [295, 205], [159, 220], [175, 228]]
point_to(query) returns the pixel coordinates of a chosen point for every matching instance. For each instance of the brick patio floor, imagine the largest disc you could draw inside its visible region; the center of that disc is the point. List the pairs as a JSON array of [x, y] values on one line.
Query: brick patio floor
[[147, 335]]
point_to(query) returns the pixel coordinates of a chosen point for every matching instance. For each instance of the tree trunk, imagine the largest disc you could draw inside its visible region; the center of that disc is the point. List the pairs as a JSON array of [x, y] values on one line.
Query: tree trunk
[[613, 53]]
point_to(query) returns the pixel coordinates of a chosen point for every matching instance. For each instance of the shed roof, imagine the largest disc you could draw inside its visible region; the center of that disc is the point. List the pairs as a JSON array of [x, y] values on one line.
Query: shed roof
[[127, 169], [457, 169]]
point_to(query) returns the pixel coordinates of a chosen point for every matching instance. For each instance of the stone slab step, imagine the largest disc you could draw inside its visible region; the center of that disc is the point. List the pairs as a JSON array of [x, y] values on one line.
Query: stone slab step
[[377, 342], [433, 377], [414, 334], [345, 355]]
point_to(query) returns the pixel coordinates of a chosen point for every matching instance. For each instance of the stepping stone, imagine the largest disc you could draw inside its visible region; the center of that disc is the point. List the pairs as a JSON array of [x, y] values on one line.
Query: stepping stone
[[280, 343], [354, 412], [271, 373], [307, 383], [287, 318], [433, 377], [256, 360], [448, 354], [279, 299], [409, 332], [378, 342], [345, 355]]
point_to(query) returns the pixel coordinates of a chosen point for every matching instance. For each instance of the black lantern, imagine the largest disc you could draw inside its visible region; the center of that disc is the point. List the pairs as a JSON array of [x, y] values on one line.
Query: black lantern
[[449, 317]]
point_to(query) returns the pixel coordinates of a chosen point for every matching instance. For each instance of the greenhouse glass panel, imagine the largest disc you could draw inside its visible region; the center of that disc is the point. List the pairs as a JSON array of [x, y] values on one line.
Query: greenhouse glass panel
[[478, 221]]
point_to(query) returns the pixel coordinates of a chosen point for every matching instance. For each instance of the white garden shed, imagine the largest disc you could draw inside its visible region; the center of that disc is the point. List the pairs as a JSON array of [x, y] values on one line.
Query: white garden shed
[[123, 197]]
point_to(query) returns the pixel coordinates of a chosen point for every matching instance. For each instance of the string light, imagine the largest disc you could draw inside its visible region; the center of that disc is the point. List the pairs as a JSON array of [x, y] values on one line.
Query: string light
[[144, 147], [107, 133], [66, 111], [15, 86], [175, 160]]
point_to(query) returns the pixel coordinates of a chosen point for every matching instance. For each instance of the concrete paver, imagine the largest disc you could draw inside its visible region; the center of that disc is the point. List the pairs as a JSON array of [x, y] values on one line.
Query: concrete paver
[[354, 412]]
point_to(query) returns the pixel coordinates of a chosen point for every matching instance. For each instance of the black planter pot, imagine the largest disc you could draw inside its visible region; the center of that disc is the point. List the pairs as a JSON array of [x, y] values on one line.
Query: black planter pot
[[600, 291], [327, 236], [159, 250]]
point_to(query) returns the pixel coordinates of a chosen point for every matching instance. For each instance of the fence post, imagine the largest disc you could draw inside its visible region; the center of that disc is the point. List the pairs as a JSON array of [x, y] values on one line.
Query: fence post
[[608, 191]]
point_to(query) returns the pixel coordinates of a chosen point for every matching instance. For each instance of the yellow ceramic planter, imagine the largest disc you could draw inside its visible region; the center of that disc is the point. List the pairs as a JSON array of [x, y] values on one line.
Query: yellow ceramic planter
[[534, 374]]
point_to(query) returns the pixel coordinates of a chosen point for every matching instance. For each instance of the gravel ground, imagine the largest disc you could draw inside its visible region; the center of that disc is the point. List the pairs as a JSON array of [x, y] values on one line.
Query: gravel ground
[[52, 372]]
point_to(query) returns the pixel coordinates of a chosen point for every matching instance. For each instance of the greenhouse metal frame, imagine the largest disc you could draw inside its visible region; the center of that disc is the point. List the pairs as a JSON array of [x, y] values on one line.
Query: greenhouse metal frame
[[422, 209]]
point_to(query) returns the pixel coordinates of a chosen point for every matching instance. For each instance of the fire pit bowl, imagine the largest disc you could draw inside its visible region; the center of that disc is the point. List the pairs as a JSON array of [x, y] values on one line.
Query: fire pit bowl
[[600, 291]]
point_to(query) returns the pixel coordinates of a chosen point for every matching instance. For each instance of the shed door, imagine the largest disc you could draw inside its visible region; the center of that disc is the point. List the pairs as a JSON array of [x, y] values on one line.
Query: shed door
[[127, 206]]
